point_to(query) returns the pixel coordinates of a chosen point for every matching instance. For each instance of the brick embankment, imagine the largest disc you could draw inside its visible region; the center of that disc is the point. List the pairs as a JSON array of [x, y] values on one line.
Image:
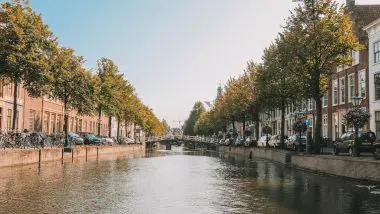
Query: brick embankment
[[365, 169], [14, 157]]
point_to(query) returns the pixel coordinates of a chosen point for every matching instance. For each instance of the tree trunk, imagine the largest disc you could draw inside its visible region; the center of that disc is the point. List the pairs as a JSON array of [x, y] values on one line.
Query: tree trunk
[[99, 119], [233, 124], [109, 126], [66, 118], [256, 120], [15, 84], [318, 125], [282, 138], [118, 127], [244, 127]]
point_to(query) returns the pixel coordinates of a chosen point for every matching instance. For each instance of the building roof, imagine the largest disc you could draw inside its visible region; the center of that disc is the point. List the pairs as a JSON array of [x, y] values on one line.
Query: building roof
[[370, 25], [365, 14]]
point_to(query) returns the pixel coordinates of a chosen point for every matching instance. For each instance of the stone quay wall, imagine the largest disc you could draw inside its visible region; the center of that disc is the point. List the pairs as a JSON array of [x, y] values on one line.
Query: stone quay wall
[[14, 157], [364, 169]]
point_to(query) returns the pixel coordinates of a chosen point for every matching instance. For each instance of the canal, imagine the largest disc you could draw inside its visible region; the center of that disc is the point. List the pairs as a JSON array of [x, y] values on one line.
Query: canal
[[178, 182]]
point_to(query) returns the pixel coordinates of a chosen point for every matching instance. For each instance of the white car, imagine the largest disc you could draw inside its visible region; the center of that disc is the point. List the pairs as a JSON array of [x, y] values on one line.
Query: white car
[[274, 141], [108, 141], [263, 141]]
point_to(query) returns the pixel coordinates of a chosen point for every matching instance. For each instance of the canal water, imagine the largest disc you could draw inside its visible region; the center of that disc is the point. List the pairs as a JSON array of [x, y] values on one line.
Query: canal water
[[179, 182]]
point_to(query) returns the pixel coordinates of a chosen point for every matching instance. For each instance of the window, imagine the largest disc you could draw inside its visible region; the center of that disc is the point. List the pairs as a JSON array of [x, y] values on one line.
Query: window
[[376, 51], [80, 125], [32, 114], [351, 87], [324, 119], [52, 123], [377, 122], [335, 92], [9, 119], [342, 92], [58, 123], [377, 86], [310, 104], [355, 57], [46, 122], [362, 84], [325, 101], [9, 86]]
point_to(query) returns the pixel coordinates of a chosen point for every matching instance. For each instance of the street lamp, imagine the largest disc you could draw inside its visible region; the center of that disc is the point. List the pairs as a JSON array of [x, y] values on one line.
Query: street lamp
[[356, 101]]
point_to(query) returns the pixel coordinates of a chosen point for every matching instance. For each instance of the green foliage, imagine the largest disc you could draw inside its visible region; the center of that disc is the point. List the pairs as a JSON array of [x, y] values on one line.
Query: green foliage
[[25, 46], [267, 129], [195, 113], [71, 83], [300, 126], [319, 35]]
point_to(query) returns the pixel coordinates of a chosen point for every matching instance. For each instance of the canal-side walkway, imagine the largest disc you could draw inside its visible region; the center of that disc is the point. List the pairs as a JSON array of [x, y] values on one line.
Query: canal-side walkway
[[14, 157], [361, 168]]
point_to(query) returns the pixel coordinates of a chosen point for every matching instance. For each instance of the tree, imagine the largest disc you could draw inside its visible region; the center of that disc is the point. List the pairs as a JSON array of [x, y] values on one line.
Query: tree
[[111, 90], [356, 118], [300, 127], [277, 83], [267, 130], [125, 94], [72, 84], [320, 36], [195, 113], [25, 47], [165, 126]]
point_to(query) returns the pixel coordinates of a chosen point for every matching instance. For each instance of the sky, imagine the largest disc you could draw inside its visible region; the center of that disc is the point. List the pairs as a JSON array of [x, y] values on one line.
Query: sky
[[174, 52]]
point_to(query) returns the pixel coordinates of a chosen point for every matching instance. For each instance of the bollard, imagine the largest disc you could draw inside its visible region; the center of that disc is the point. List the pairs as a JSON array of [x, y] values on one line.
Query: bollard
[[72, 156], [39, 158], [86, 154], [62, 155], [97, 152]]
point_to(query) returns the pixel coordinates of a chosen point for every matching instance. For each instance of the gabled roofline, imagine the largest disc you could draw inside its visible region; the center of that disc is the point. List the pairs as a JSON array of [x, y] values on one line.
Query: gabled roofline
[[371, 24]]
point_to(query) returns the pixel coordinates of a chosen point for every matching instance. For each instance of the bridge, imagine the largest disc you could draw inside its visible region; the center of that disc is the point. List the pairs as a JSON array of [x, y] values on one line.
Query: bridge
[[191, 142]]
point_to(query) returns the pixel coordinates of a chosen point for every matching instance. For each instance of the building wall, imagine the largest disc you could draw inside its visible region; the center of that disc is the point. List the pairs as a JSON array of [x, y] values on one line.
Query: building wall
[[374, 69]]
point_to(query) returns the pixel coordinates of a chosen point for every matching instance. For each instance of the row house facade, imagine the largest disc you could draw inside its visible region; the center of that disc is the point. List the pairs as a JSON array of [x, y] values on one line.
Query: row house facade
[[344, 83], [47, 115]]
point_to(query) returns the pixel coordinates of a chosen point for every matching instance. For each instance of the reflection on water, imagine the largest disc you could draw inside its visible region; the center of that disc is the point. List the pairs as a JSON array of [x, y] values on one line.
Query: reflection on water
[[178, 182]]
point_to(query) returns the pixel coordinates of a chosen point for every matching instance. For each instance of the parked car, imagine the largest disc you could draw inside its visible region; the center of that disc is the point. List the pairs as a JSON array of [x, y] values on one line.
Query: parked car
[[125, 140], [250, 141], [108, 141], [293, 142], [263, 141], [75, 138], [346, 142], [274, 141], [90, 138], [239, 141]]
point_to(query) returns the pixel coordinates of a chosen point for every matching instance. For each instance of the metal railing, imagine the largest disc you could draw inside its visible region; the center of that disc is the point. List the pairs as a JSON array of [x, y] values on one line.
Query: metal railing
[[199, 139]]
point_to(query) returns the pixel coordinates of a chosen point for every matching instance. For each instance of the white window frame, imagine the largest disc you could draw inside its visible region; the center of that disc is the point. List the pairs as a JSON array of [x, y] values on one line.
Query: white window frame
[[359, 84], [374, 85], [355, 55], [376, 51], [349, 100], [309, 104], [335, 83], [342, 93], [324, 120], [325, 102]]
